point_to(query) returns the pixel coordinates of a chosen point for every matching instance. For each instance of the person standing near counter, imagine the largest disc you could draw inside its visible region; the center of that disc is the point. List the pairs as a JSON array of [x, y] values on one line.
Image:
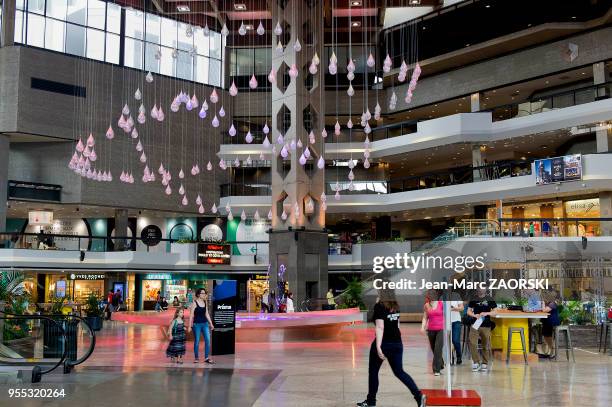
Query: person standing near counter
[[481, 308], [200, 322], [549, 324]]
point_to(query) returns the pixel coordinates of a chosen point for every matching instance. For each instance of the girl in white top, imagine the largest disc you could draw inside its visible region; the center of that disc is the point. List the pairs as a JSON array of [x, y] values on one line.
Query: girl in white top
[[290, 303]]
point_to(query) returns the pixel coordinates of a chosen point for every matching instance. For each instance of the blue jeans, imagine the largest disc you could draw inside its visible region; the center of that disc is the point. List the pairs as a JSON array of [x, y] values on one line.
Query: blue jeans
[[456, 330], [197, 329], [394, 352]]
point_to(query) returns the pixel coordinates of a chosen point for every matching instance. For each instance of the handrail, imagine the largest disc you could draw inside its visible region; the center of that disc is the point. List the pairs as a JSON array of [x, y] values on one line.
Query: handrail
[[92, 343], [39, 371]]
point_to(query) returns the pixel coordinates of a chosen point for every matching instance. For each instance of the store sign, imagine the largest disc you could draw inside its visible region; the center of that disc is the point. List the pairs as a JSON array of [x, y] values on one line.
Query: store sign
[[157, 276], [211, 253], [583, 208], [224, 317], [245, 232], [39, 218], [87, 276], [151, 235], [558, 169]]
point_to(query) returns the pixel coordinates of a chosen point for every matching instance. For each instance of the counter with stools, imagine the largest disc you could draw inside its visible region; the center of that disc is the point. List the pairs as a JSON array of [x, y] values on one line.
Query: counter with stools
[[513, 345]]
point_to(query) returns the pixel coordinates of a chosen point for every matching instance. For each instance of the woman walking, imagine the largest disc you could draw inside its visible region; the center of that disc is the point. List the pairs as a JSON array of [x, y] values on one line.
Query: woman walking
[[200, 322], [176, 333], [388, 346], [433, 322]]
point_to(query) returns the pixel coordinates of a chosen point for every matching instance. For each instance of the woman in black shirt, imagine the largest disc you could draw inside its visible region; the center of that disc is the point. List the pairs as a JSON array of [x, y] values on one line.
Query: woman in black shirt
[[388, 345]]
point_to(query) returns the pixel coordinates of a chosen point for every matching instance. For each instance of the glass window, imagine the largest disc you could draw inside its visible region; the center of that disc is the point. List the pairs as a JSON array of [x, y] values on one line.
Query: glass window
[[201, 69], [19, 27], [55, 35], [244, 61], [201, 42], [134, 24], [75, 40], [151, 63], [95, 44], [36, 6], [184, 42], [166, 62], [57, 9], [214, 74], [215, 45], [168, 32], [112, 48], [20, 4], [183, 65], [36, 30], [77, 13], [133, 53], [113, 18], [153, 25], [96, 14], [263, 61]]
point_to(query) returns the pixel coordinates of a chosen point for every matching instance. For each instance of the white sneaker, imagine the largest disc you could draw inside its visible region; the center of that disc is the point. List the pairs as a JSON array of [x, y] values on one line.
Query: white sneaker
[[483, 367], [475, 367], [436, 373]]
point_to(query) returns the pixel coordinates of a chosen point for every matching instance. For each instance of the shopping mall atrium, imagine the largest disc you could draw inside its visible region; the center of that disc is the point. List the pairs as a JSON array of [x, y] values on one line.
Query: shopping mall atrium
[[233, 203]]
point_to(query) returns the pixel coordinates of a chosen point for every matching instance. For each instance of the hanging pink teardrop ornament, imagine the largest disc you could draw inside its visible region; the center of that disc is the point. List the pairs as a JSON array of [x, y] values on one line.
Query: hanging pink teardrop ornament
[[214, 98], [215, 122], [233, 90], [232, 130], [249, 137], [272, 76], [80, 147], [253, 82]]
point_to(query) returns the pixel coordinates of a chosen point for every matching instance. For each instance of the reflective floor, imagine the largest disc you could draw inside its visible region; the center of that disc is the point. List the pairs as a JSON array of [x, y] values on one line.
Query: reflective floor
[[129, 367]]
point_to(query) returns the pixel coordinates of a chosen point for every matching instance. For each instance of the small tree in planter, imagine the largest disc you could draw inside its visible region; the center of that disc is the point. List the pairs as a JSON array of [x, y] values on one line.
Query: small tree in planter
[[94, 312], [351, 297]]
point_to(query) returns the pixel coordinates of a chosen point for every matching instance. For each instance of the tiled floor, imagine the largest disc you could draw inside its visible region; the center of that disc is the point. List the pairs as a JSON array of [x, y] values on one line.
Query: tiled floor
[[129, 366]]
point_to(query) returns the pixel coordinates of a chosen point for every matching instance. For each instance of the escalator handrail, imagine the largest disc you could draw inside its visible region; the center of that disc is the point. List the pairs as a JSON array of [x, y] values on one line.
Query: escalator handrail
[[42, 317], [92, 343]]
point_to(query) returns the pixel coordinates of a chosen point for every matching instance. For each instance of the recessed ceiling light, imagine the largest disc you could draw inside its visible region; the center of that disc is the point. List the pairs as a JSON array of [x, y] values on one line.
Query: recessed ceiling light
[[356, 3], [573, 17], [488, 6], [415, 2], [183, 8], [240, 7], [356, 24], [248, 27]]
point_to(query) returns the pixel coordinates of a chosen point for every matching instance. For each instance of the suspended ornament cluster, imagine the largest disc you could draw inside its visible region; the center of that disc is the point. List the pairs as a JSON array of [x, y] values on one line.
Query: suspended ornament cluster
[[413, 83], [333, 64], [387, 63], [83, 159]]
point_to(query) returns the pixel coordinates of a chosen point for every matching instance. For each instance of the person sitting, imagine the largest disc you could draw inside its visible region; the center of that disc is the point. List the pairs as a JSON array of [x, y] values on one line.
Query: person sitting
[[176, 302], [163, 304]]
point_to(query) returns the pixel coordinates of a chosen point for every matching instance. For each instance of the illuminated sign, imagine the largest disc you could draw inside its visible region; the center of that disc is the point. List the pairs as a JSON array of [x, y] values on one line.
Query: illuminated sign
[[40, 217], [157, 276], [211, 253], [87, 276]]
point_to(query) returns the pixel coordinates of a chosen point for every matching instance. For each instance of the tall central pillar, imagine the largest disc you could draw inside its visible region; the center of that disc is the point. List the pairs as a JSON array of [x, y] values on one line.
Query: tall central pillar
[[298, 241], [4, 164]]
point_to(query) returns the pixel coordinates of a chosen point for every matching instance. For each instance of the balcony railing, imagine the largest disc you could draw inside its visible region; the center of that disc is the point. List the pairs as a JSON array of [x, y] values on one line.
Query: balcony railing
[[551, 102], [241, 189]]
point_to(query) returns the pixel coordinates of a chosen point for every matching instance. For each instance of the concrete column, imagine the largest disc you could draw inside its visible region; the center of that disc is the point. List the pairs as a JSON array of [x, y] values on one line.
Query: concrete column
[[121, 229], [475, 102], [600, 75], [297, 189], [4, 164], [477, 161], [603, 139], [8, 23], [605, 211]]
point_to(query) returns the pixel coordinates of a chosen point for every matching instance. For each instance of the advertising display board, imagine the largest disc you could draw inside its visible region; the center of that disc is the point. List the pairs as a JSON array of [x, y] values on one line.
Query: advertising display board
[[224, 317], [151, 235], [558, 169], [212, 253]]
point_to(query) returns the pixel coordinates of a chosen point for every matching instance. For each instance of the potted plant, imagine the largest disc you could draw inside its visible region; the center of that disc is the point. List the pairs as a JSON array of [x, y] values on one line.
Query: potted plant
[[352, 296], [94, 313]]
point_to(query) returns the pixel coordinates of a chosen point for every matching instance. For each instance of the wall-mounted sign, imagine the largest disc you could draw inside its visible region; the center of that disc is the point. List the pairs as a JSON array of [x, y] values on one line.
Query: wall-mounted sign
[[211, 253], [151, 235], [558, 169], [60, 288], [39, 218], [211, 232], [583, 208], [157, 276], [74, 276]]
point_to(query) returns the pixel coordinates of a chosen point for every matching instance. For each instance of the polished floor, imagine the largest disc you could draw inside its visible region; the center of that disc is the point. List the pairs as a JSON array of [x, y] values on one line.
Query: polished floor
[[129, 368]]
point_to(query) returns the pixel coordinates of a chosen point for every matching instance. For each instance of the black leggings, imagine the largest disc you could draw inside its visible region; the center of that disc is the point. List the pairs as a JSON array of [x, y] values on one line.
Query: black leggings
[[393, 351]]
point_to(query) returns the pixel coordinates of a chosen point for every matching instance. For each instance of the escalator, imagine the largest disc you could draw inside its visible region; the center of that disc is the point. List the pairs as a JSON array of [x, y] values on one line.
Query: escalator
[[36, 345]]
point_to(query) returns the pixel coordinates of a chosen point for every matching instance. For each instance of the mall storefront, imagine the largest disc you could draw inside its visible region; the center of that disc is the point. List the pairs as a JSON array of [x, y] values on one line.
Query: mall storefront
[[549, 211], [148, 286]]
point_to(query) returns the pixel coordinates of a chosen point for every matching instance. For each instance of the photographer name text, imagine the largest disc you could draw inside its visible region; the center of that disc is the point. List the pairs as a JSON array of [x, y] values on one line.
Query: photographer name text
[[491, 284]]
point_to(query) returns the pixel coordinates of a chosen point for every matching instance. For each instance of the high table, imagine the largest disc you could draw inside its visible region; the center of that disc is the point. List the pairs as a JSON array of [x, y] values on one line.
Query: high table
[[504, 319]]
